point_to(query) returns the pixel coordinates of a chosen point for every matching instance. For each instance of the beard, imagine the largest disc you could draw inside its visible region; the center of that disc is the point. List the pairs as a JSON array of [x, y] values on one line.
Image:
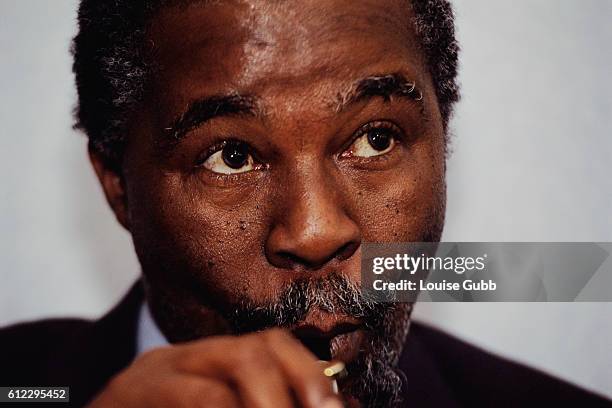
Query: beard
[[374, 378]]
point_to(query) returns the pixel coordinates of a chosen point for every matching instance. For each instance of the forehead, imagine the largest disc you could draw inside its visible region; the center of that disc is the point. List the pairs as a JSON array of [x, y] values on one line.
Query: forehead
[[259, 46]]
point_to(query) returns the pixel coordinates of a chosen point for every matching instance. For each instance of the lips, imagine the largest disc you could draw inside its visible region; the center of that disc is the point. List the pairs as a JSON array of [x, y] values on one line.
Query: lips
[[339, 340]]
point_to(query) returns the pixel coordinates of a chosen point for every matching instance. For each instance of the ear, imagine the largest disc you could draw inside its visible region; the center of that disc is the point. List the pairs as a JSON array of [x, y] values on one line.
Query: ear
[[111, 179]]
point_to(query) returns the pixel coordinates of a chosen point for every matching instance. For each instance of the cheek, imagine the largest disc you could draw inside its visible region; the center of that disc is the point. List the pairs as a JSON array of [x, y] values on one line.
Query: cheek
[[186, 239], [407, 203]]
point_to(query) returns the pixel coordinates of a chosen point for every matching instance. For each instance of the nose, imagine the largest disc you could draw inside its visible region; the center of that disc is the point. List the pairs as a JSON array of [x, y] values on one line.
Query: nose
[[312, 227]]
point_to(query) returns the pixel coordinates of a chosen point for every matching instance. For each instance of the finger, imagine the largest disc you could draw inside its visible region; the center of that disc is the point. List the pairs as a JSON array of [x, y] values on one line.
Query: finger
[[198, 392], [258, 376], [166, 389], [246, 363], [302, 370]]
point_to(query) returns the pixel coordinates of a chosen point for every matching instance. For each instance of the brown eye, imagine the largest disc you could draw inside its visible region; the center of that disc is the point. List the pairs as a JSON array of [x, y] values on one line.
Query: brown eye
[[379, 138], [235, 154], [375, 139], [234, 157]]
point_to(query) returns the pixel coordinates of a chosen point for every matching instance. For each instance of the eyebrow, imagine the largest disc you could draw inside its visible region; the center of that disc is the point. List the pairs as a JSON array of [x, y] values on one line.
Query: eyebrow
[[205, 109], [386, 86], [202, 110]]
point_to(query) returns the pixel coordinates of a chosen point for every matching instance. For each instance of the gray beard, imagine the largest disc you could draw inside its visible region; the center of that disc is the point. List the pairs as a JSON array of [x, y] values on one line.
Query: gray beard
[[374, 378]]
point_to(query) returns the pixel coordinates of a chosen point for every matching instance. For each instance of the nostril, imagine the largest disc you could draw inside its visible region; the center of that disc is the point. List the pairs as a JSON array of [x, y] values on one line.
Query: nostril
[[346, 251], [292, 260]]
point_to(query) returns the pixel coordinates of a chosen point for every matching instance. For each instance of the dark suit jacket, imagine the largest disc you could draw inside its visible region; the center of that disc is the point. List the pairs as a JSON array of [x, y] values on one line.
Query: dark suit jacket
[[441, 371]]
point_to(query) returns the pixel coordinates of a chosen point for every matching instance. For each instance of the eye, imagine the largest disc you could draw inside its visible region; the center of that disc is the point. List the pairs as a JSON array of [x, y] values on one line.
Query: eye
[[233, 157], [375, 139]]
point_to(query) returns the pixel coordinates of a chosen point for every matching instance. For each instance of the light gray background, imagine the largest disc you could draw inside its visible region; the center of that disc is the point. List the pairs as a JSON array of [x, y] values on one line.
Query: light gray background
[[531, 162]]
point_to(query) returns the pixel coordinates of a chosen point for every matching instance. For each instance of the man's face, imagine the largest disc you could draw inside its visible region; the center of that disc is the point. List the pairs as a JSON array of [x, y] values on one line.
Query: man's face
[[276, 139]]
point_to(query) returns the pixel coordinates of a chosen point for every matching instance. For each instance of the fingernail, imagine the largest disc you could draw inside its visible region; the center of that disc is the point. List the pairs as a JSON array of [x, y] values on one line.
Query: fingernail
[[331, 403]]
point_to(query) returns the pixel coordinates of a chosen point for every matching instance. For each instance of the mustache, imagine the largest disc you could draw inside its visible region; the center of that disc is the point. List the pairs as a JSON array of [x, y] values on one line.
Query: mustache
[[333, 293]]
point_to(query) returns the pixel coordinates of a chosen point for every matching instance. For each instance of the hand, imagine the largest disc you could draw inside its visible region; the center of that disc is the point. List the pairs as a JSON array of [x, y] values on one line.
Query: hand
[[270, 369]]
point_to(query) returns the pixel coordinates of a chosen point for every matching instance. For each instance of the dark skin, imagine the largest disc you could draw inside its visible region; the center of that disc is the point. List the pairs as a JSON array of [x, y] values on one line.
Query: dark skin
[[293, 154]]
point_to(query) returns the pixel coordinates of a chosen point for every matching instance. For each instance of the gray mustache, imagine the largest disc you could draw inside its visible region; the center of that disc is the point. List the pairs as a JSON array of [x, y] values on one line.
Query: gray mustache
[[333, 294]]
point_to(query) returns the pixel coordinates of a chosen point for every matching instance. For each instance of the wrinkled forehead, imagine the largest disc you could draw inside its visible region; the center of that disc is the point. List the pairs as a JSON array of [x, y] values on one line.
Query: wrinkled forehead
[[238, 43]]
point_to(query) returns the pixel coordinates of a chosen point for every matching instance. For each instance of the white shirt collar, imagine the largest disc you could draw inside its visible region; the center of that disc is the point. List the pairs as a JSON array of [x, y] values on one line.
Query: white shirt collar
[[148, 334]]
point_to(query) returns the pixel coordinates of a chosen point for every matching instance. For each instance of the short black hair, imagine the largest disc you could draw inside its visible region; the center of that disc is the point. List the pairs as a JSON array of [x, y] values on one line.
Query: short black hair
[[111, 68]]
